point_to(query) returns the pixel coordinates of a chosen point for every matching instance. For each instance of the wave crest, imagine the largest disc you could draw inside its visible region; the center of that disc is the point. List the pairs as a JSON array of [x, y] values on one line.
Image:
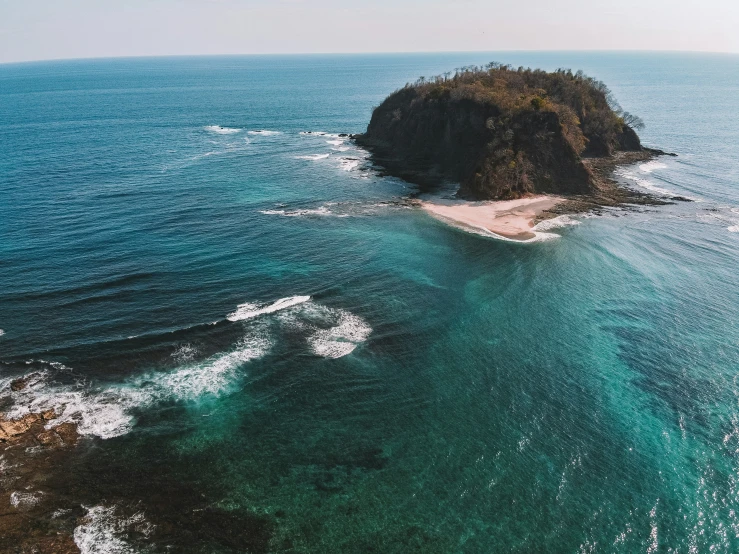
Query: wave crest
[[249, 310], [222, 130]]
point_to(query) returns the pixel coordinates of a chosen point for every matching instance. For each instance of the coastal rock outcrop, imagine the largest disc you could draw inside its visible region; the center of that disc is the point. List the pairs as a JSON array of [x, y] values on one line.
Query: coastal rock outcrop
[[500, 132]]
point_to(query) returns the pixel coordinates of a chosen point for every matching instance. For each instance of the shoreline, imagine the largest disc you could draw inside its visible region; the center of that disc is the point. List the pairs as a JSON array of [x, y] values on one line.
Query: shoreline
[[512, 220]]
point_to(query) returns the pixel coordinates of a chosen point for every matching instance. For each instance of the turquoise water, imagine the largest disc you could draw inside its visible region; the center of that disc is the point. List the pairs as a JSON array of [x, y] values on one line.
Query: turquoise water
[[439, 391]]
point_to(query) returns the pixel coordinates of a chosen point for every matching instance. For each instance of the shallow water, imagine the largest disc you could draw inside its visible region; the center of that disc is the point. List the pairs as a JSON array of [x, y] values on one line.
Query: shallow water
[[162, 220]]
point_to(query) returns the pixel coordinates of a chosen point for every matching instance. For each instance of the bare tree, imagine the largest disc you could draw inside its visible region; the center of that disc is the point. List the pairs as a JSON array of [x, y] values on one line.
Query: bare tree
[[633, 121]]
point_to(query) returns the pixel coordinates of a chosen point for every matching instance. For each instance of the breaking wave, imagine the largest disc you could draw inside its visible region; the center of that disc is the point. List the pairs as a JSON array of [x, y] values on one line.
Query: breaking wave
[[222, 130], [109, 412], [248, 310], [329, 332], [349, 164], [644, 183], [264, 133], [320, 211], [341, 338], [313, 157], [651, 166]]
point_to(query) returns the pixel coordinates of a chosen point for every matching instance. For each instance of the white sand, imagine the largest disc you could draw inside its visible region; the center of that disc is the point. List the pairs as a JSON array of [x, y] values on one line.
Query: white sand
[[510, 219]]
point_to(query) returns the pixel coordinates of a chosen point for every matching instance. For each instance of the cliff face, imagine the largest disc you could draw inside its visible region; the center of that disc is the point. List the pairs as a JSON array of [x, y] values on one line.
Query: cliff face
[[497, 134]]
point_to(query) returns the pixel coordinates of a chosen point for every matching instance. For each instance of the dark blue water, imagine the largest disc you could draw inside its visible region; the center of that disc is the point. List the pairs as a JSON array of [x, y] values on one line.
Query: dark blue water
[[438, 391]]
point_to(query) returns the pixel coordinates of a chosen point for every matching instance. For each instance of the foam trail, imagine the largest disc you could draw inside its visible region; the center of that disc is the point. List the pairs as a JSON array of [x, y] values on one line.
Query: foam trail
[[335, 142], [248, 310], [320, 211], [319, 134], [2, 332], [313, 157], [213, 376], [264, 133], [222, 130]]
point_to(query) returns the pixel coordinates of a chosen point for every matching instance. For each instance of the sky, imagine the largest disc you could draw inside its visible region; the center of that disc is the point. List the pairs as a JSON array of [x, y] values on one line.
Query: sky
[[54, 29]]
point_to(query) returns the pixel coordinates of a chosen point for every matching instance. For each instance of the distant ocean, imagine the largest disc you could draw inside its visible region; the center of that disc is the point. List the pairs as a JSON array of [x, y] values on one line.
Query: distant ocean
[[267, 350]]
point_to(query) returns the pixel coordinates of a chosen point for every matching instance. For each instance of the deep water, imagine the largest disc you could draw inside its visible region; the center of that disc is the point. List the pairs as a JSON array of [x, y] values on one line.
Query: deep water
[[440, 391]]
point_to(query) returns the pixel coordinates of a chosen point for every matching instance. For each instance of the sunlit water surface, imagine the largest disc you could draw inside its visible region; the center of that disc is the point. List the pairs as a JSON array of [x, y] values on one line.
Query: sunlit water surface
[[420, 389]]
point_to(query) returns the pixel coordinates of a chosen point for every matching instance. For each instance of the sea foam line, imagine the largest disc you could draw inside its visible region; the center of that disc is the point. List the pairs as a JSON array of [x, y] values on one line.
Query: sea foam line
[[108, 413], [264, 133], [313, 157], [320, 211]]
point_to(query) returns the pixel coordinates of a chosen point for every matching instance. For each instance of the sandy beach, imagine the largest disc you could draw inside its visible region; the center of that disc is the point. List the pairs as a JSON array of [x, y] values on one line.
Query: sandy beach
[[510, 219]]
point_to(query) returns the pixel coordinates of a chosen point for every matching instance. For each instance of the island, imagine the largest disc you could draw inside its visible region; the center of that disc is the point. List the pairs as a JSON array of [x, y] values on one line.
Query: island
[[508, 134]]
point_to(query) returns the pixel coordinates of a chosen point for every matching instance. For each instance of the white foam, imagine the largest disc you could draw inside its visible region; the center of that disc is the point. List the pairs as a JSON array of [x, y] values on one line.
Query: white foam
[[645, 183], [102, 532], [342, 338], [185, 353], [213, 376], [319, 134], [651, 166], [2, 332], [25, 500], [733, 229], [222, 130], [107, 413], [335, 142], [264, 133], [320, 211], [313, 157], [555, 223], [102, 414], [349, 164], [248, 310], [539, 236]]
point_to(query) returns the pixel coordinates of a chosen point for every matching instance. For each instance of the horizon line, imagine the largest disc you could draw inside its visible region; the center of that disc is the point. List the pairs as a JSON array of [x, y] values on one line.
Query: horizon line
[[380, 53]]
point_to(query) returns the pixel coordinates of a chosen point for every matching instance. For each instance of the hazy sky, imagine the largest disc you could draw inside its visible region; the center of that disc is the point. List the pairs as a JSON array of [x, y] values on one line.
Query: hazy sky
[[49, 29]]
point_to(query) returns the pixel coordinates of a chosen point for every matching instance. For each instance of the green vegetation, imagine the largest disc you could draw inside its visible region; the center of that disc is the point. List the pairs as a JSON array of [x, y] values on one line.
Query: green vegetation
[[501, 132], [591, 117]]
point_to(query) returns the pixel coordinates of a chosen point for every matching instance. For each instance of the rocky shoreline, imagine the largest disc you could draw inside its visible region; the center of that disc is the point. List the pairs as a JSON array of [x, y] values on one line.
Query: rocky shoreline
[[609, 192], [33, 449]]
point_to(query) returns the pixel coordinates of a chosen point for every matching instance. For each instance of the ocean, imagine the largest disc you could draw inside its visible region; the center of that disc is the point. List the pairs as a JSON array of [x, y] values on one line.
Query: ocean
[[266, 349]]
